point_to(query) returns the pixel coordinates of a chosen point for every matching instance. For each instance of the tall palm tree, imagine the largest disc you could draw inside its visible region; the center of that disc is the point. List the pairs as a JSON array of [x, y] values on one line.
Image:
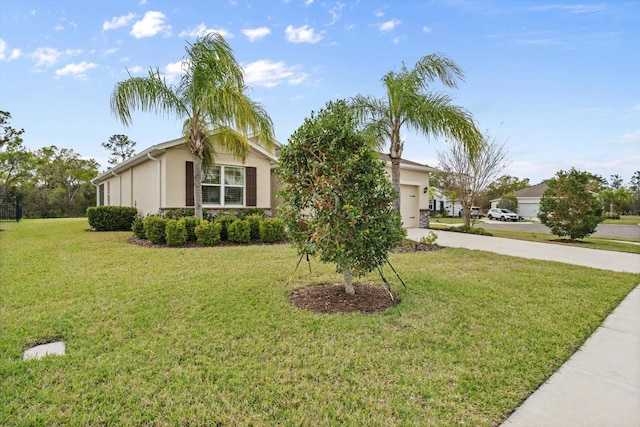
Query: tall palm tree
[[211, 99], [410, 103]]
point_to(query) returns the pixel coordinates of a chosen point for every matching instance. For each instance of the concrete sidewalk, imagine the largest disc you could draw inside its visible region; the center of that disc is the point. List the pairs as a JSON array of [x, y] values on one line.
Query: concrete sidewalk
[[600, 384]]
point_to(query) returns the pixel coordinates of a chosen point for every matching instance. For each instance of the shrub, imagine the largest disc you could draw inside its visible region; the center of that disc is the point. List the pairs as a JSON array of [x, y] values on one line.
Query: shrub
[[429, 239], [175, 233], [470, 230], [138, 227], [190, 223], [208, 233], [271, 230], [177, 213], [111, 218], [508, 201], [243, 214], [224, 221], [609, 215], [254, 225], [239, 231], [154, 228]]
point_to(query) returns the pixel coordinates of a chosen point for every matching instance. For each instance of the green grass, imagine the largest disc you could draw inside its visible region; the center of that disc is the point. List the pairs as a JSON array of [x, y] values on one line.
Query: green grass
[[624, 220], [447, 220], [206, 336]]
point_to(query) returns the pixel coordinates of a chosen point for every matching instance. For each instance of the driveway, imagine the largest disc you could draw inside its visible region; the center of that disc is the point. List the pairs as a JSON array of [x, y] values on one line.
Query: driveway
[[603, 230], [606, 260]]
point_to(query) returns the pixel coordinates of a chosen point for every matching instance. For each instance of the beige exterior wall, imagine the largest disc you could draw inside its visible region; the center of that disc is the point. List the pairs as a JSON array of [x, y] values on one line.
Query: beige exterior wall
[[153, 185]]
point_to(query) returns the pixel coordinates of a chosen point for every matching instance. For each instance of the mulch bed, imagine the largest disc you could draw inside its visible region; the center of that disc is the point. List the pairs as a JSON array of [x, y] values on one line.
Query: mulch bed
[[331, 298]]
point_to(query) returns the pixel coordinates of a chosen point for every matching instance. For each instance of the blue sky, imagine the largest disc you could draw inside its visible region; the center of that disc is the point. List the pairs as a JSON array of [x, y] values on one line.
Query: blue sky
[[557, 80]]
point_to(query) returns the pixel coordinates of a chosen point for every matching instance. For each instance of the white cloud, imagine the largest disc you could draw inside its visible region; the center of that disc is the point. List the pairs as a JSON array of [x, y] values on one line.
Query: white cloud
[[110, 51], [173, 71], [426, 29], [117, 22], [308, 2], [58, 27], [396, 40], [136, 69], [48, 56], [3, 48], [76, 70], [302, 35], [151, 24], [632, 138], [572, 8], [15, 53], [389, 25], [254, 34], [267, 73], [536, 42], [378, 13], [202, 30]]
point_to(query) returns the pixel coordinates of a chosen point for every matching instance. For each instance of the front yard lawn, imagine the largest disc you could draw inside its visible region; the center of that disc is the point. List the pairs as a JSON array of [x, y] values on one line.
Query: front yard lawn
[[206, 336]]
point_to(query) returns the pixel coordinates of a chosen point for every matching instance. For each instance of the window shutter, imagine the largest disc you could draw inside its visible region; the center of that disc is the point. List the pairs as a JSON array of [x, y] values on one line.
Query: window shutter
[[252, 186], [189, 186]]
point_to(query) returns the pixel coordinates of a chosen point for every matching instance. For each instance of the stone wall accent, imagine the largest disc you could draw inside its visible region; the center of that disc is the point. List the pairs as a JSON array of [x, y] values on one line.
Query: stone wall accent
[[424, 218]]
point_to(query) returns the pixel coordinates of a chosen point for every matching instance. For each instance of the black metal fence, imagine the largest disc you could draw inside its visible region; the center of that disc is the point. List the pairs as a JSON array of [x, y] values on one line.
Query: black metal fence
[[10, 209]]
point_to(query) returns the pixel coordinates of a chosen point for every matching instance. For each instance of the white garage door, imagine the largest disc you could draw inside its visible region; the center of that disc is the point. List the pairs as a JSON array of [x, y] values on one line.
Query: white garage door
[[409, 206], [528, 209]]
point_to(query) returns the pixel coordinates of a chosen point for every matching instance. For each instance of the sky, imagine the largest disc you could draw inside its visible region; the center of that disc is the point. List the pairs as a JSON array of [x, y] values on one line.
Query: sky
[[557, 81]]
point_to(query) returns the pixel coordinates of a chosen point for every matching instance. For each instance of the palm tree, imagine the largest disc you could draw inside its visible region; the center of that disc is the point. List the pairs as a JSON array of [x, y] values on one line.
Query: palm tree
[[409, 102], [211, 99]]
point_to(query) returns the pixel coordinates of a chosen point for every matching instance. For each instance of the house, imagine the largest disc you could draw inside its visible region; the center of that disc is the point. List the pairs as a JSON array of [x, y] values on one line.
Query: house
[[528, 200], [160, 178], [440, 203]]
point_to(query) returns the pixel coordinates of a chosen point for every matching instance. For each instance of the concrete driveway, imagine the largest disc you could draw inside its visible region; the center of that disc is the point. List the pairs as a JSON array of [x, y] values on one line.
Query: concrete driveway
[[603, 230]]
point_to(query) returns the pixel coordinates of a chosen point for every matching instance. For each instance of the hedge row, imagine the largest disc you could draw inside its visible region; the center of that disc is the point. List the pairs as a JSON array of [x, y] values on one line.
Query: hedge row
[[177, 232], [111, 218]]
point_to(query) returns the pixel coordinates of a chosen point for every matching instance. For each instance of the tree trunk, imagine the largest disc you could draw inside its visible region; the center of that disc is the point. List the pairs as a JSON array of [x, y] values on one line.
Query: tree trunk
[[395, 180], [611, 207], [348, 283], [197, 186]]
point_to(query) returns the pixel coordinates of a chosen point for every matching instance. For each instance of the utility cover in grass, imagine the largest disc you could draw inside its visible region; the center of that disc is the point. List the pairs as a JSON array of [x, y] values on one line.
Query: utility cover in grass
[[38, 352]]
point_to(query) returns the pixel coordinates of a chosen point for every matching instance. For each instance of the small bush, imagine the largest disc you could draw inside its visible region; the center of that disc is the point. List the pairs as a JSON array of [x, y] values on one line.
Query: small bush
[[175, 233], [111, 218], [609, 215], [138, 227], [244, 213], [224, 221], [154, 228], [177, 213], [254, 225], [470, 230], [208, 233], [429, 239], [190, 223], [271, 230], [239, 231]]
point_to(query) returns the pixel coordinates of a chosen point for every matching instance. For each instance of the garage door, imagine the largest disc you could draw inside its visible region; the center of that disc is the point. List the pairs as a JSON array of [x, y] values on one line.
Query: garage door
[[409, 206], [528, 210]]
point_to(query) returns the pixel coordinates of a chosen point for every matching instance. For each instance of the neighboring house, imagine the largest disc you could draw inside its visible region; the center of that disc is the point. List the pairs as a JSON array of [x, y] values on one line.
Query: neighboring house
[[528, 200], [439, 203], [161, 178]]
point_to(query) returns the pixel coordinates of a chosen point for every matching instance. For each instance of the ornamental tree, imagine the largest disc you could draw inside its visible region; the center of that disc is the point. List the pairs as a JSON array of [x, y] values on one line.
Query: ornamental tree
[[338, 201], [570, 206]]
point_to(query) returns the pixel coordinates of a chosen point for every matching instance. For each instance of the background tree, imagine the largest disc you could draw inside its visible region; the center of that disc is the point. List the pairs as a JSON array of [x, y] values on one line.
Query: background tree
[[337, 197], [410, 103], [60, 184], [634, 187], [470, 174], [120, 147], [569, 206], [210, 97], [614, 196], [15, 159], [508, 201], [506, 184]]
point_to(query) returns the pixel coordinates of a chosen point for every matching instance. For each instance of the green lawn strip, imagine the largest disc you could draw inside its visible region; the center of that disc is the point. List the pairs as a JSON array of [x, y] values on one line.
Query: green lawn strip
[[206, 335], [624, 220]]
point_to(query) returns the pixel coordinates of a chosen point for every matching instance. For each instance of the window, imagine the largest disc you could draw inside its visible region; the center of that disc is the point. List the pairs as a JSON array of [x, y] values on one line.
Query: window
[[223, 186]]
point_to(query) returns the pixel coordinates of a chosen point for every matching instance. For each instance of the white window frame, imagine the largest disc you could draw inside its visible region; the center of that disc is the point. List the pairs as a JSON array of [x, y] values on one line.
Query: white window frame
[[224, 183]]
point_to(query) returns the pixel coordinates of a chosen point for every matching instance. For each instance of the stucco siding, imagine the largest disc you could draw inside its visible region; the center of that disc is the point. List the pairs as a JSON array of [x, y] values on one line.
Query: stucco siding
[[145, 184]]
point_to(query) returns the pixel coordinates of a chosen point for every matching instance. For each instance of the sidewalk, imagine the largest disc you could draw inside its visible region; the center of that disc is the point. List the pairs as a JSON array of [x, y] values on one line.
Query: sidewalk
[[600, 384]]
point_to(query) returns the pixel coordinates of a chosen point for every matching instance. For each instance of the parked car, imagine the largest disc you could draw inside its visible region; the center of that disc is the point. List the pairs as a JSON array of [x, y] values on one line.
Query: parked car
[[476, 212], [502, 214]]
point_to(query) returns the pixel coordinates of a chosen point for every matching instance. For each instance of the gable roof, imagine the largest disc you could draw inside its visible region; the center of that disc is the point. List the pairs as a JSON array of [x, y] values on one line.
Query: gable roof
[[408, 164], [533, 191], [162, 147]]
